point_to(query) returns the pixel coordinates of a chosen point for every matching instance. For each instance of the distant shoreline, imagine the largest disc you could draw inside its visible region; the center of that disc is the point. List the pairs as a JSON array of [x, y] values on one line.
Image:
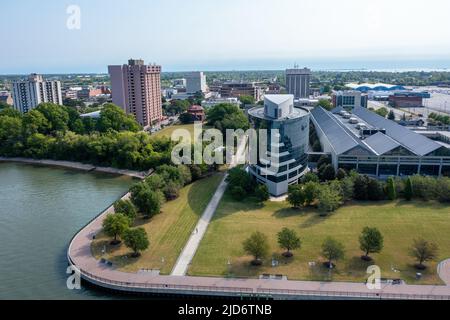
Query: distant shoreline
[[78, 166]]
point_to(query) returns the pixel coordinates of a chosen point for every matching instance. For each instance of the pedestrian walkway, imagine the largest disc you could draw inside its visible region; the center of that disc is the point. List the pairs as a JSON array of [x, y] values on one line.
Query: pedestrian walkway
[[186, 256]]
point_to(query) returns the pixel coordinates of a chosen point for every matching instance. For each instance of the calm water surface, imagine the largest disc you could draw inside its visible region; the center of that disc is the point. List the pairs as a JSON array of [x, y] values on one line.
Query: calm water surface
[[41, 208]]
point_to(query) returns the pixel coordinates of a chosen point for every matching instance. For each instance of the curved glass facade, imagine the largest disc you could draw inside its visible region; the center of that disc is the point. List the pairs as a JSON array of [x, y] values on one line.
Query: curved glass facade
[[287, 158]]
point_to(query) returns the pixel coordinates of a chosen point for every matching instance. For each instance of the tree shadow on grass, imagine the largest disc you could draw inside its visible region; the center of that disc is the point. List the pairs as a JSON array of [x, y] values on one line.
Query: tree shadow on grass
[[357, 267], [314, 218]]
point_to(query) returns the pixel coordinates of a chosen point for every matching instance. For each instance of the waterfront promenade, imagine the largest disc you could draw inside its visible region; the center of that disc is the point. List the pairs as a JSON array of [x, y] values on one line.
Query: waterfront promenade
[[77, 166], [98, 273]]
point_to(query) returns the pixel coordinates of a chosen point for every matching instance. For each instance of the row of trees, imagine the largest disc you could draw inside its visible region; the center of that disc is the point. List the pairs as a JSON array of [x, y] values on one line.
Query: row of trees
[[58, 132], [370, 241], [146, 200], [329, 195]]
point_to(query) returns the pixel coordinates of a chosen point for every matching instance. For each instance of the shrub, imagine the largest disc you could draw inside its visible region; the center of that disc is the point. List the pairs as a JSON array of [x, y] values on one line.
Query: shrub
[[391, 190], [360, 190], [262, 193], [341, 174], [444, 190], [171, 190], [408, 193], [375, 190], [237, 192], [327, 173], [310, 176]]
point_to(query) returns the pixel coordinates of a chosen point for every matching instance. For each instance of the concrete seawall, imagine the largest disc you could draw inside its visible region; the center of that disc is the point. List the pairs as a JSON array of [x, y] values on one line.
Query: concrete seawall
[[77, 166]]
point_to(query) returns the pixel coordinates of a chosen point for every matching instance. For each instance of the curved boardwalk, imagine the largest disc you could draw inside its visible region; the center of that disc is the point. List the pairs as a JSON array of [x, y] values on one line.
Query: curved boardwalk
[[92, 270]]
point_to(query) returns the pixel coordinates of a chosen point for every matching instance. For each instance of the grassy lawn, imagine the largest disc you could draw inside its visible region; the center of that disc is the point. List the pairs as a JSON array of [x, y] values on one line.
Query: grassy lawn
[[168, 232], [167, 132], [399, 222]]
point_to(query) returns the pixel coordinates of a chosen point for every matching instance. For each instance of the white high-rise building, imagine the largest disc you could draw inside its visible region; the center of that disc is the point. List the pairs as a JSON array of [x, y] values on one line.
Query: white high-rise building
[[27, 94], [195, 82]]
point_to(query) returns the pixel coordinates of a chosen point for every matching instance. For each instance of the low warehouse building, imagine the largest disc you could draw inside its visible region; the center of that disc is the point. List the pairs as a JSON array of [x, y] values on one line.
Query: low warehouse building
[[373, 145]]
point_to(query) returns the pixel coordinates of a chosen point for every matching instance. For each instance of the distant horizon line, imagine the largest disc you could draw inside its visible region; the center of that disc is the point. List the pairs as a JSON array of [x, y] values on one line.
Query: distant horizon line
[[389, 70]]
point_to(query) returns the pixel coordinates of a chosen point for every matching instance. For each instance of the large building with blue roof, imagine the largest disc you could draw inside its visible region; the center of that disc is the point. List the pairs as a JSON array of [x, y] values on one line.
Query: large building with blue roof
[[363, 141]]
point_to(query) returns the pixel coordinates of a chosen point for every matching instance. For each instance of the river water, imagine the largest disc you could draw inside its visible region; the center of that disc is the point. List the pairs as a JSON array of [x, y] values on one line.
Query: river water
[[41, 208]]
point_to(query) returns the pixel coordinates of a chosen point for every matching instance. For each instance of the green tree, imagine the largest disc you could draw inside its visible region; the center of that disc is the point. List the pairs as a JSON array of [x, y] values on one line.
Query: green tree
[[257, 245], [186, 118], [113, 117], [262, 193], [329, 199], [310, 176], [408, 193], [332, 250], [288, 240], [311, 190], [227, 116], [146, 200], [238, 177], [296, 196], [391, 190], [127, 208], [137, 240], [326, 104], [391, 115], [423, 251], [115, 225], [370, 241], [245, 99], [56, 115]]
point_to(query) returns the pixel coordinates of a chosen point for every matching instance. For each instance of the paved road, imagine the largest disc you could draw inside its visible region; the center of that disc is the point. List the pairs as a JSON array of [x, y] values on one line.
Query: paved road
[[186, 256]]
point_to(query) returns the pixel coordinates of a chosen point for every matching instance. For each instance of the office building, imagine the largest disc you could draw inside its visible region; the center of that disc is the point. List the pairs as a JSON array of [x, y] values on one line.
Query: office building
[[237, 89], [406, 100], [287, 160], [349, 99], [195, 82], [373, 145], [298, 82], [27, 94], [136, 88]]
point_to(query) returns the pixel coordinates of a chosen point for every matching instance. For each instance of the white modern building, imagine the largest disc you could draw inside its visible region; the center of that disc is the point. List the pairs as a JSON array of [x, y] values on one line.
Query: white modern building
[[298, 82], [27, 94], [195, 82], [285, 160], [350, 99]]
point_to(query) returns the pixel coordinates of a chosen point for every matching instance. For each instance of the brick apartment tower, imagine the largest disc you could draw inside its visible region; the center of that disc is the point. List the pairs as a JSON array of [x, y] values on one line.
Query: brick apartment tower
[[136, 88]]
